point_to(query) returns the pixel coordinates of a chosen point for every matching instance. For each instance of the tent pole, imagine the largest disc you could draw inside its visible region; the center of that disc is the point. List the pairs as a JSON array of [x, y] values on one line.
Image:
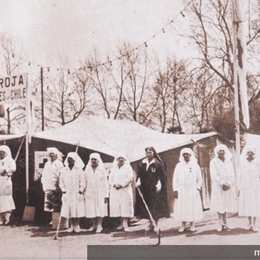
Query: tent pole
[[28, 130], [27, 166], [20, 147]]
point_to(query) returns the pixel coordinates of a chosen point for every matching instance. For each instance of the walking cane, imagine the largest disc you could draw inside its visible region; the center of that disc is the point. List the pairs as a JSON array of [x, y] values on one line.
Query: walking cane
[[151, 217], [58, 229]]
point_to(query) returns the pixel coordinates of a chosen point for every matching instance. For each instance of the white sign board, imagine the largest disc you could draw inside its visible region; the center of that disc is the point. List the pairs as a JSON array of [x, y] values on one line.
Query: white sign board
[[40, 158], [13, 88]]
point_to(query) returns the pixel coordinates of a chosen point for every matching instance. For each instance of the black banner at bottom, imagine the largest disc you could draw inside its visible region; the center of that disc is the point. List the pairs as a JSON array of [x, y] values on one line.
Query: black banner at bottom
[[173, 252]]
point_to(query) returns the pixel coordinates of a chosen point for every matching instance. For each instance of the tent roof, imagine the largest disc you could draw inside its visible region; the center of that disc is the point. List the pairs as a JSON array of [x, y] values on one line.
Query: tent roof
[[113, 136], [9, 137]]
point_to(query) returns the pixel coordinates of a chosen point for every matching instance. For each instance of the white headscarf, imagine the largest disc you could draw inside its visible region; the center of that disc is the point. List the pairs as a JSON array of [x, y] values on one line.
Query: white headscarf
[[189, 151], [228, 154], [56, 152], [78, 162], [97, 157], [115, 163], [7, 151], [246, 149]]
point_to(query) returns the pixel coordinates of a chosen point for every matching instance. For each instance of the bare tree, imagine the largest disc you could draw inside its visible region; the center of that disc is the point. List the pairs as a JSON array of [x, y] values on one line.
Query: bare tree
[[100, 81], [211, 31], [170, 86], [139, 99], [67, 97]]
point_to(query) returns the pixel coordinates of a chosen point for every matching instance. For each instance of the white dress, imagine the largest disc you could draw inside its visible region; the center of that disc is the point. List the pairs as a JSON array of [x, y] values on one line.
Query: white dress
[[249, 187], [6, 185], [187, 180], [50, 179], [72, 181], [222, 172], [95, 193], [121, 200]]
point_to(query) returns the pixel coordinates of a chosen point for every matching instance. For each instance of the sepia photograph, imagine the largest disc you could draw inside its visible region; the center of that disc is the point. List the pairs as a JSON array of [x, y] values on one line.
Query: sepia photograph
[[129, 129]]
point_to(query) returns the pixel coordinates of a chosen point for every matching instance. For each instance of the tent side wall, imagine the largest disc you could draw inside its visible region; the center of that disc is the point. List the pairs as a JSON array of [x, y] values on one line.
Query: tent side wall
[[36, 194]]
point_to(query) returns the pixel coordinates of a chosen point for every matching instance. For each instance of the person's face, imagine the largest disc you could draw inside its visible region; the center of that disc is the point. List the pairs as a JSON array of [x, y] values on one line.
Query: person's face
[[149, 154], [94, 162], [250, 156], [71, 161], [53, 156], [2, 155], [186, 157], [221, 154], [120, 161]]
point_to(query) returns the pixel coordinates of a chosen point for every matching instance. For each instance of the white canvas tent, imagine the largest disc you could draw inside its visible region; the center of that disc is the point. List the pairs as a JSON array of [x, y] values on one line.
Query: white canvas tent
[[110, 136], [252, 139]]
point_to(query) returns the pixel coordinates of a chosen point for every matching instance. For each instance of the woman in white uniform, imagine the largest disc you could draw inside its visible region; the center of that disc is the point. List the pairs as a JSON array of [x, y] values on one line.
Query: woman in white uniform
[[223, 194], [72, 184], [187, 182], [249, 186], [121, 192], [96, 193], [7, 167]]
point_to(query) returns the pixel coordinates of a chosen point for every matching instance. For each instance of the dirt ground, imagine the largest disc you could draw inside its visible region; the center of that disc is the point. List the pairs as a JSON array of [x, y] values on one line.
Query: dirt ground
[[34, 242]]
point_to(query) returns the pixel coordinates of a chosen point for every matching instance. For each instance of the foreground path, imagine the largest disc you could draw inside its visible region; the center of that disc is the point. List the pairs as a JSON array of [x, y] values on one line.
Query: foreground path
[[31, 242]]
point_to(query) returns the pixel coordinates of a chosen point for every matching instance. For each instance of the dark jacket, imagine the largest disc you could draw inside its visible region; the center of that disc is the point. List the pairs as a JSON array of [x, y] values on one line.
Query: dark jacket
[[156, 202]]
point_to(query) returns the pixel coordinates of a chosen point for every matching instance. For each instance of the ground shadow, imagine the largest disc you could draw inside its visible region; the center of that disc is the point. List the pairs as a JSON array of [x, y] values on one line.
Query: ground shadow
[[44, 232], [224, 232]]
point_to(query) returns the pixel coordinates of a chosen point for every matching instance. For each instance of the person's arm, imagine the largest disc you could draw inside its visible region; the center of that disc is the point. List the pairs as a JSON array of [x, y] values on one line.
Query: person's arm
[[106, 185], [111, 179], [175, 179], [231, 179], [82, 181], [138, 177], [161, 178], [10, 167], [199, 178], [214, 174], [62, 182], [129, 178], [44, 178]]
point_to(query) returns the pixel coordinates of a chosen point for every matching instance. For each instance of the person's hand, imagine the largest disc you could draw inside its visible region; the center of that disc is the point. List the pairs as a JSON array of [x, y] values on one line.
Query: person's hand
[[106, 200], [225, 186], [64, 192], [80, 192], [157, 190], [158, 187], [118, 187], [2, 171], [138, 183]]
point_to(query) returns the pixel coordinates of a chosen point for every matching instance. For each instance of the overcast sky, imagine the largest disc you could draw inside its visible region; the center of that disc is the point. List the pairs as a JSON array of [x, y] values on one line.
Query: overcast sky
[[73, 28]]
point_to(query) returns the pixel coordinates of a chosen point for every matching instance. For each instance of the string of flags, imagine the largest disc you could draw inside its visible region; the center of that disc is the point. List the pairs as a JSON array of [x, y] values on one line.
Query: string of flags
[[110, 61]]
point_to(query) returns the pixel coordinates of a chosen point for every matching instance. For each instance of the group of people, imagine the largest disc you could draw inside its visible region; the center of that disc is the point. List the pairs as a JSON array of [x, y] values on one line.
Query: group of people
[[85, 193], [230, 193]]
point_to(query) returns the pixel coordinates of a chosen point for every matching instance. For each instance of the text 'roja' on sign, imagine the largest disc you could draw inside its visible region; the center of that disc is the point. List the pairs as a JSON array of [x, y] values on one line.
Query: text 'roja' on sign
[[13, 88]]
